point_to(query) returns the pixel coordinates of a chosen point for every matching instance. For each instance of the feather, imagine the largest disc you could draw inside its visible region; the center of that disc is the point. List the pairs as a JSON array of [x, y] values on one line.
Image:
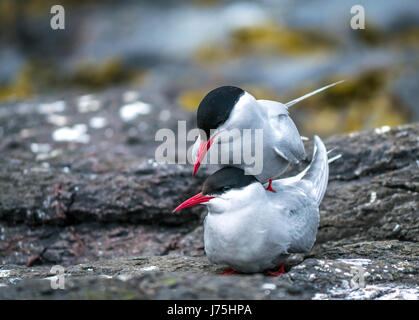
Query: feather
[[292, 102]]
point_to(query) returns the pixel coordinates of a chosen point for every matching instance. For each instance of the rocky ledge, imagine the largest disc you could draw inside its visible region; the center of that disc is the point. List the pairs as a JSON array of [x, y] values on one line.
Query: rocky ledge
[[78, 189]]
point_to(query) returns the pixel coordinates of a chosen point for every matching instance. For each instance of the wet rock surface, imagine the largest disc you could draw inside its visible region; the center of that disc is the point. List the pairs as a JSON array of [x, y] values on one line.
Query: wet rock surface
[[92, 200]]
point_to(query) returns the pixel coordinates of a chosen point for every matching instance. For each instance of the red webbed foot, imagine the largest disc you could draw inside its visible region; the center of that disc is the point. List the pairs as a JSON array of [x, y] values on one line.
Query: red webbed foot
[[278, 272], [229, 271], [269, 188]]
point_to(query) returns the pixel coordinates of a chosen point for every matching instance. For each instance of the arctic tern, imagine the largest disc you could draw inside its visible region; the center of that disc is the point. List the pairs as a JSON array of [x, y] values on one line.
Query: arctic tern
[[226, 108], [252, 230]]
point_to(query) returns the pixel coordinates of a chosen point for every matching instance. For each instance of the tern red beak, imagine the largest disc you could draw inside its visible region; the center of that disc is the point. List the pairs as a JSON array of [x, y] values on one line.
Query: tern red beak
[[197, 199], [203, 148]]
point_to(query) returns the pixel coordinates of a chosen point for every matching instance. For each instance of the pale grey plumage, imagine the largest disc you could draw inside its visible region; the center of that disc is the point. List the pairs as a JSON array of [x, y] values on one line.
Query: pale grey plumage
[[252, 230], [282, 143]]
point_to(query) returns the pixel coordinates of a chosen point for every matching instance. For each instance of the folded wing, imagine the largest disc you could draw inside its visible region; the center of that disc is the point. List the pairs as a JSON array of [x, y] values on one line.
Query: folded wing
[[313, 179], [287, 140]]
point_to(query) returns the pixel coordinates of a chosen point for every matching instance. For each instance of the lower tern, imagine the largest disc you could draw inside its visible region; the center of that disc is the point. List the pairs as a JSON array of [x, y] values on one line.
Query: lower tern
[[227, 108], [252, 230]]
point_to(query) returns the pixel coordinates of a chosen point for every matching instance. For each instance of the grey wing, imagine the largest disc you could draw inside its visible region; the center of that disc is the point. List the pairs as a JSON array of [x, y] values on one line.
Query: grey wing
[[287, 140], [302, 220], [314, 178], [304, 237]]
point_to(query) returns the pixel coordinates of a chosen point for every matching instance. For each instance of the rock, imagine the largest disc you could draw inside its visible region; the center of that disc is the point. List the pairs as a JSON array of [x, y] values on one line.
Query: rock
[[391, 272], [101, 207]]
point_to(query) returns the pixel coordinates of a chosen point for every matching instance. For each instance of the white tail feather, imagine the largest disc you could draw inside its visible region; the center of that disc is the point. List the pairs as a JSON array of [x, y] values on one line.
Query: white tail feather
[[316, 177], [289, 104], [335, 158]]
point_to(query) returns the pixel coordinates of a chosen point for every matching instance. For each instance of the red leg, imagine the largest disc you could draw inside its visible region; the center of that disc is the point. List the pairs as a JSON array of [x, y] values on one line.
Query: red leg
[[229, 271], [269, 188], [277, 273]]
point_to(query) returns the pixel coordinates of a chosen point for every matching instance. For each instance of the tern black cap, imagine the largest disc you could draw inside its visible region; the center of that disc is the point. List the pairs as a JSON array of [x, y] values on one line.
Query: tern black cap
[[226, 179], [216, 107]]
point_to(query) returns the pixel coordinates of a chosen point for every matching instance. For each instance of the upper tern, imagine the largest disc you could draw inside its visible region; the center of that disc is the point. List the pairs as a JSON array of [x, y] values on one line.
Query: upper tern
[[227, 108], [252, 230]]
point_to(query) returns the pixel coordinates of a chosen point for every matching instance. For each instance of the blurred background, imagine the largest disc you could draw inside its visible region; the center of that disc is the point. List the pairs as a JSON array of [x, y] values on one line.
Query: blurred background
[[275, 49]]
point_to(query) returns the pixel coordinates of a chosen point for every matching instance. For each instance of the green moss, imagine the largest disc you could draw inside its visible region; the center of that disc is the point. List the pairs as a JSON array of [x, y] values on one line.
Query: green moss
[[190, 99], [205, 3], [33, 77], [272, 38], [110, 71], [8, 13], [38, 76], [22, 87], [408, 37], [128, 296], [372, 35], [112, 292], [360, 102], [266, 39]]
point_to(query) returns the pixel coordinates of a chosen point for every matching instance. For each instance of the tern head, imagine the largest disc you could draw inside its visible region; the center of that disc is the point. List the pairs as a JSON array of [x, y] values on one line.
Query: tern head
[[227, 188], [223, 108]]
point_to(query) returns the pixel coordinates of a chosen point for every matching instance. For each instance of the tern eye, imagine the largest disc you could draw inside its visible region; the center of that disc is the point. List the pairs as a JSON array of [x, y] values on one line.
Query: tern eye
[[219, 123]]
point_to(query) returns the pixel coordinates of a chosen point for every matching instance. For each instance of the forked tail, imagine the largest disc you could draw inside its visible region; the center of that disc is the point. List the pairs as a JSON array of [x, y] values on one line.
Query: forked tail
[[316, 175]]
